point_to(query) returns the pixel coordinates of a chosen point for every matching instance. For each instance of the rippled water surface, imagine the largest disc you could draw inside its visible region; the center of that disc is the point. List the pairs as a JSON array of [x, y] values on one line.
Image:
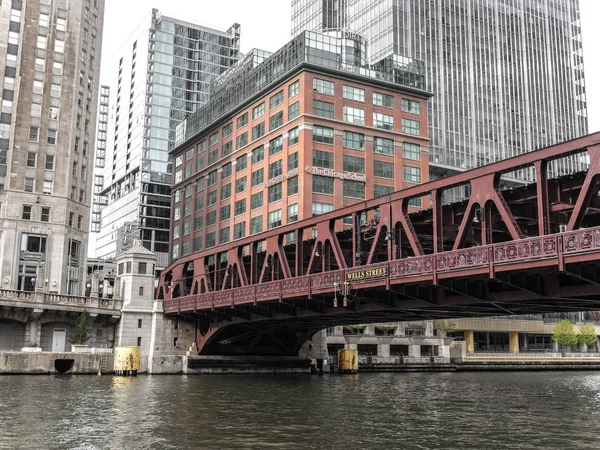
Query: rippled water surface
[[367, 411]]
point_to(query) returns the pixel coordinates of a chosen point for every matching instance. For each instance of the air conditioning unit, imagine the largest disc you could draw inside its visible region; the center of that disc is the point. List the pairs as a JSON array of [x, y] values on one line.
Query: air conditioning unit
[[562, 228]]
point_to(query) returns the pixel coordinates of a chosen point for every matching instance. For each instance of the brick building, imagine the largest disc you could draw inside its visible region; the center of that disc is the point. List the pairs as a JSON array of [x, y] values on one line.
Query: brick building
[[306, 130]]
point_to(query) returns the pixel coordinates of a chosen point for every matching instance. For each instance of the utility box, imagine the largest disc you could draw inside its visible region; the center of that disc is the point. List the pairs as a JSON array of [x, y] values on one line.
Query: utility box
[[127, 361], [347, 361]]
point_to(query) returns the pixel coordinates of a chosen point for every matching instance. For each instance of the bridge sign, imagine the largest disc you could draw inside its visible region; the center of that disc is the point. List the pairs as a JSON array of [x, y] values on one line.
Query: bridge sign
[[368, 273]]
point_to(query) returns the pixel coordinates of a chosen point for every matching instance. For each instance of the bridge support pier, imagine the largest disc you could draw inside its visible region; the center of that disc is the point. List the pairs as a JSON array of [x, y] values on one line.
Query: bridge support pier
[[513, 341], [469, 341]]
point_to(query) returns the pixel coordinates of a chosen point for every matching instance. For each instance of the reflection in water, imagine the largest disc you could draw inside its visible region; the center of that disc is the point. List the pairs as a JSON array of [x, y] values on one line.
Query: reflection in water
[[365, 411]]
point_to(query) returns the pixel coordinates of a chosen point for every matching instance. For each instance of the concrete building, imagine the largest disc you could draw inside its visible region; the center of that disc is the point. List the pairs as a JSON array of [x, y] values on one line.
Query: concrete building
[[507, 75], [49, 61], [293, 134], [161, 74]]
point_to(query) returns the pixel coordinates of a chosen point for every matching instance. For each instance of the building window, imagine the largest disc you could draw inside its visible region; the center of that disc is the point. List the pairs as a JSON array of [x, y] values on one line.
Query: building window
[[176, 232], [33, 134], [242, 121], [198, 223], [31, 159], [276, 120], [276, 145], [213, 156], [293, 136], [224, 234], [141, 292], [383, 121], [239, 230], [276, 100], [55, 90], [293, 161], [226, 149], [355, 94], [292, 186], [240, 207], [199, 204], [322, 159], [258, 111], [241, 163], [379, 190], [274, 219], [323, 109], [353, 140], [47, 187], [294, 88], [354, 164], [201, 147], [29, 183], [323, 86], [258, 131], [210, 239], [411, 174], [226, 191], [387, 101], [49, 165], [240, 184], [212, 178], [197, 244], [322, 185], [411, 106], [227, 130], [36, 110], [26, 215], [256, 225], [213, 139], [293, 213], [411, 127], [293, 110], [275, 169], [211, 198], [211, 218], [275, 193], [383, 169], [411, 151], [258, 177], [354, 116], [323, 134], [51, 137], [142, 267], [415, 202], [319, 208], [258, 154], [383, 146], [256, 201], [242, 140], [354, 189], [225, 212]]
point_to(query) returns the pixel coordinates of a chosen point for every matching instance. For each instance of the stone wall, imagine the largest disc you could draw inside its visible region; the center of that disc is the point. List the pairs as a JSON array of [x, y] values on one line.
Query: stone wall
[[44, 362]]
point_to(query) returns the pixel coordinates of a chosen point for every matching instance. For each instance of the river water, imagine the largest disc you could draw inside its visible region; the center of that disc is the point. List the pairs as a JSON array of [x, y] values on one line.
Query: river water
[[548, 410]]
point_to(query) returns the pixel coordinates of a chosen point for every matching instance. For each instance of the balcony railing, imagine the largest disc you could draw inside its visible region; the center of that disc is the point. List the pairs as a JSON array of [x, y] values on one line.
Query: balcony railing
[[41, 298]]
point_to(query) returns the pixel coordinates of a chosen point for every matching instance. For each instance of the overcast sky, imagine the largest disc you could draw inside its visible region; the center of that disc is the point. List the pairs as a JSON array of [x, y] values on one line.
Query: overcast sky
[[266, 24]]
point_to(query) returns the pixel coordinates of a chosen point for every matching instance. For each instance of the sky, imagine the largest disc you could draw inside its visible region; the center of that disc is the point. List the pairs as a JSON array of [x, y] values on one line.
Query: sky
[[266, 24]]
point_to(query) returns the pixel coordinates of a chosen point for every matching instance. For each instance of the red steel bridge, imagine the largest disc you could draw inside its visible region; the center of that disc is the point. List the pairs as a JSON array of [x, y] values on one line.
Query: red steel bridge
[[530, 248]]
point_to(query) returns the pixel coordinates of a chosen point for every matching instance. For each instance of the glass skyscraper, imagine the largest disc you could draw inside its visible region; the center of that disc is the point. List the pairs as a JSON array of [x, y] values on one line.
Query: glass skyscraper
[[507, 75], [160, 75]]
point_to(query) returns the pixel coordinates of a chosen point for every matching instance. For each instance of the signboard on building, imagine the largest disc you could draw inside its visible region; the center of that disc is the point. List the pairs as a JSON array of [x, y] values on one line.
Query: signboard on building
[[333, 174]]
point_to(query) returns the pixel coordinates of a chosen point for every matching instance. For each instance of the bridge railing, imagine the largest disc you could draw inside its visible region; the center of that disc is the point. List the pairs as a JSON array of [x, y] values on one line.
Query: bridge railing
[[523, 250]]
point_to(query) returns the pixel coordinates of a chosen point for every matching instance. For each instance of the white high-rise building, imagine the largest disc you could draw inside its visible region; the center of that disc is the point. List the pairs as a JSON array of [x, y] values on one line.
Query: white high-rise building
[[160, 75]]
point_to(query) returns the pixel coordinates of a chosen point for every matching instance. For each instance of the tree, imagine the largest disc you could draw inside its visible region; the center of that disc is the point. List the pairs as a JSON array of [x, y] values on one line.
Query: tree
[[82, 332], [443, 326], [587, 335], [564, 333]]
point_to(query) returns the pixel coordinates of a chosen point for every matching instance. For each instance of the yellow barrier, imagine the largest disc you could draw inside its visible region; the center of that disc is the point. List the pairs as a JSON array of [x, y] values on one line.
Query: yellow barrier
[[347, 361], [127, 361]]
